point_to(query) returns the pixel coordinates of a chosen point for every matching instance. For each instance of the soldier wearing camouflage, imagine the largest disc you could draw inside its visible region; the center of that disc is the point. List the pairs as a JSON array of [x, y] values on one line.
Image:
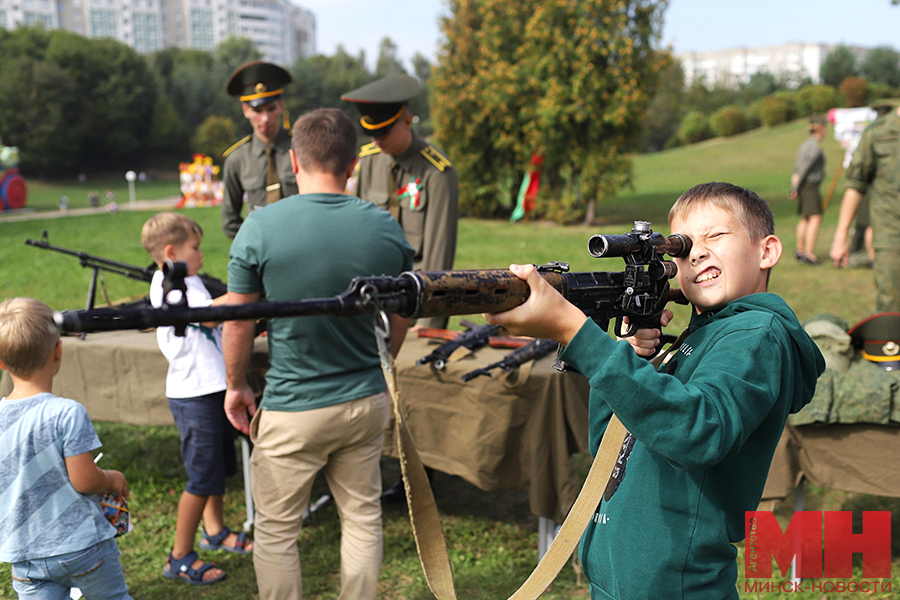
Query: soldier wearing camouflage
[[875, 169]]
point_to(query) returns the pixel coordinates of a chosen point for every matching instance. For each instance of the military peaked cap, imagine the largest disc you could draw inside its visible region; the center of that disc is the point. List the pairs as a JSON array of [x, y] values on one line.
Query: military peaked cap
[[382, 102], [258, 83], [879, 338], [885, 105]]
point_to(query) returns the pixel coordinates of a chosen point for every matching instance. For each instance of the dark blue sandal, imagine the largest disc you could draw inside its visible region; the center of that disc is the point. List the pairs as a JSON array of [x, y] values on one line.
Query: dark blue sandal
[[216, 542], [180, 568]]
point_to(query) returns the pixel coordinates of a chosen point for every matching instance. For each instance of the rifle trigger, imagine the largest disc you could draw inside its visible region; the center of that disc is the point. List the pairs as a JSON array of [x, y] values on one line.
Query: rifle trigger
[[554, 266]]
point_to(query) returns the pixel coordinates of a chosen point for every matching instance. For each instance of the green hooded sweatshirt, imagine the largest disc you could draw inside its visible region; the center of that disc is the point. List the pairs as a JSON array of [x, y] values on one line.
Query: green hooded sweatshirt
[[706, 426]]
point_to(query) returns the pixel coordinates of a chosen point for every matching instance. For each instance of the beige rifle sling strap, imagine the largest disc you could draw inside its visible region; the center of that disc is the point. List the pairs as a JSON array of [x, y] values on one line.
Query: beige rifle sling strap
[[423, 513]]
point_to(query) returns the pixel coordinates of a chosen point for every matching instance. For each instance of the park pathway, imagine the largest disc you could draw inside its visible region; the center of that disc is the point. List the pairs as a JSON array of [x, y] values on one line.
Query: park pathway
[[55, 214]]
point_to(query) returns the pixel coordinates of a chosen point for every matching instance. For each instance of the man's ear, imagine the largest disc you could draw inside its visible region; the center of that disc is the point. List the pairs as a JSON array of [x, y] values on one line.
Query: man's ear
[[771, 251], [352, 169], [295, 164]]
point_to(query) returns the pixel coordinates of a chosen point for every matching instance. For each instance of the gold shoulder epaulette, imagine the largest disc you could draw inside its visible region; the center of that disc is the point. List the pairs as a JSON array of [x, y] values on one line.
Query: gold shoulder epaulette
[[236, 146], [436, 158], [369, 150]]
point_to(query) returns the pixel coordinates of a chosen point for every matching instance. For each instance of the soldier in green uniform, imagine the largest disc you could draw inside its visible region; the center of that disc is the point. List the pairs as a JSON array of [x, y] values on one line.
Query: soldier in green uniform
[[875, 169], [257, 169], [405, 175]]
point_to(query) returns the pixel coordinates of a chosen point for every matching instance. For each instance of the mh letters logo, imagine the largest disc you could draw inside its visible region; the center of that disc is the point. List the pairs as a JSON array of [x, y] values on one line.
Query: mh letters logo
[[823, 543]]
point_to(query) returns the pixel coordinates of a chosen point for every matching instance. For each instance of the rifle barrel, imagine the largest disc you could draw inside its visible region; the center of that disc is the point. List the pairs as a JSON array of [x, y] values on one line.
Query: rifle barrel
[[89, 260]]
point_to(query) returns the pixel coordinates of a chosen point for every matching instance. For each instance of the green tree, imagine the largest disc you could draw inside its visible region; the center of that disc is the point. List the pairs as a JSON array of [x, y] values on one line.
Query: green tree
[[319, 81], [816, 99], [388, 63], [73, 103], [568, 80], [882, 65], [168, 138], [214, 136], [760, 85], [39, 114], [236, 51], [419, 105], [838, 66], [198, 91], [664, 112]]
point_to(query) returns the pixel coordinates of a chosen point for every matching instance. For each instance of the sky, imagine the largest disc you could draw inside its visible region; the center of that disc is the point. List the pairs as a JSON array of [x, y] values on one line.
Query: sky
[[690, 25]]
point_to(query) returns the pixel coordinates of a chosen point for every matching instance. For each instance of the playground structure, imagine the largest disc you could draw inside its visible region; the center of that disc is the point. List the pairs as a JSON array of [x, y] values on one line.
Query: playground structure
[[199, 186], [13, 191]]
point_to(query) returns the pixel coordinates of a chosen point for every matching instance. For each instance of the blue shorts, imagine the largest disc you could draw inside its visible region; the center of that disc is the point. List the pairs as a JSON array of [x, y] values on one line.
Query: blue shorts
[[207, 442]]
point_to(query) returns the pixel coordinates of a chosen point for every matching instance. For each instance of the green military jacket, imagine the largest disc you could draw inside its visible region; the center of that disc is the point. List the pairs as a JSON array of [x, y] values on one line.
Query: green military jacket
[[424, 183], [875, 169], [244, 176]]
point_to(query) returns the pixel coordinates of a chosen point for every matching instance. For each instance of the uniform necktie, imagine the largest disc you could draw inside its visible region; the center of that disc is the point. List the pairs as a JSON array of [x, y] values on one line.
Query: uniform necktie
[[393, 192], [273, 185]]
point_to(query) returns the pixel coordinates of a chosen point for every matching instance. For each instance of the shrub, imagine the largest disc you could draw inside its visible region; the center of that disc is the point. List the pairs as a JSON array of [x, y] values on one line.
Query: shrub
[[773, 111], [214, 136], [789, 97], [855, 91], [727, 121], [751, 115], [694, 128], [816, 99]]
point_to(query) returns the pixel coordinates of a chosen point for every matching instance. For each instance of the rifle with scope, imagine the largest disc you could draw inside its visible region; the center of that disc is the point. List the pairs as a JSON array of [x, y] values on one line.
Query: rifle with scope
[[640, 292]]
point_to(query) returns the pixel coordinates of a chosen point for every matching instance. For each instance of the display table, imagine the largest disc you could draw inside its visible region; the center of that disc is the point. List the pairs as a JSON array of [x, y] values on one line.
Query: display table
[[509, 431], [847, 438]]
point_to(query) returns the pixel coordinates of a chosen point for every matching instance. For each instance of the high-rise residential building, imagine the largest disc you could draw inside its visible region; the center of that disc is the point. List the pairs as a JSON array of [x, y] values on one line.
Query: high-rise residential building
[[734, 66], [280, 30]]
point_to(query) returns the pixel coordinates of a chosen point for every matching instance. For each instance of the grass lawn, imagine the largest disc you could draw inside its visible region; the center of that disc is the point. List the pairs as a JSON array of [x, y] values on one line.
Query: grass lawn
[[492, 537]]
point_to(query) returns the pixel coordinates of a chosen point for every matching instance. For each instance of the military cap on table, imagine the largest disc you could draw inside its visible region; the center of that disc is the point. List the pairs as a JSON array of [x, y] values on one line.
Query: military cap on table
[[879, 338], [258, 83], [382, 102]]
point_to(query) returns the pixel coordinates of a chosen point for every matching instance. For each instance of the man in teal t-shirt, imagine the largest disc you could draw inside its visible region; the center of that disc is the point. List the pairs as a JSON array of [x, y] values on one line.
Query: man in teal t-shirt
[[324, 406]]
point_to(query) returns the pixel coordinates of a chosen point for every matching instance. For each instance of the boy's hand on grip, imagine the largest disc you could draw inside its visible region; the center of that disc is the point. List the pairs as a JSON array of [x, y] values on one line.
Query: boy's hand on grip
[[646, 342]]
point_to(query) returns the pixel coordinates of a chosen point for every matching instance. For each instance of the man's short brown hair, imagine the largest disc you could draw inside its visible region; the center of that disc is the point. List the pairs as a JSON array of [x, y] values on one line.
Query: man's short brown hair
[[754, 212], [325, 140], [167, 228], [27, 335]]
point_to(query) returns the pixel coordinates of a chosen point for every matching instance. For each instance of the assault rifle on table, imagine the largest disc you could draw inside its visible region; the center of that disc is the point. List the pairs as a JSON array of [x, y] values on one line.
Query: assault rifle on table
[[215, 286], [533, 350], [508, 342], [640, 292], [475, 337]]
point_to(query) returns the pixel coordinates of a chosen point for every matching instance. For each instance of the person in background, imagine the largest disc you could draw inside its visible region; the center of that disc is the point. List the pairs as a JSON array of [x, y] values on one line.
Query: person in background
[[873, 171], [407, 176], [809, 170], [257, 169]]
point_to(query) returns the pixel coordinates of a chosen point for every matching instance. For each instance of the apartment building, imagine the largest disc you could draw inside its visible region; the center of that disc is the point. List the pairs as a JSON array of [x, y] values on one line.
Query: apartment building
[[734, 66], [281, 30]]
